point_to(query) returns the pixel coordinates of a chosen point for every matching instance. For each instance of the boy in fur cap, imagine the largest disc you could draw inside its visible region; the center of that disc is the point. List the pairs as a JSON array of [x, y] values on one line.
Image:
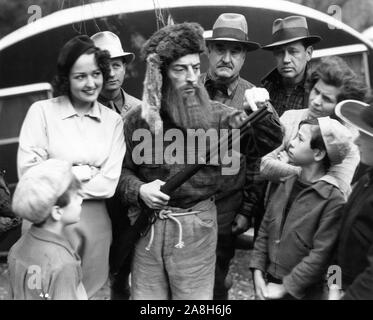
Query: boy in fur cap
[[176, 260]]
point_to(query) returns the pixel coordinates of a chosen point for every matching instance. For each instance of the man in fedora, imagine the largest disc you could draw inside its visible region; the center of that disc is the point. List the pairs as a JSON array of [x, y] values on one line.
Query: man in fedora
[[355, 245], [227, 50], [114, 97], [292, 49], [288, 84]]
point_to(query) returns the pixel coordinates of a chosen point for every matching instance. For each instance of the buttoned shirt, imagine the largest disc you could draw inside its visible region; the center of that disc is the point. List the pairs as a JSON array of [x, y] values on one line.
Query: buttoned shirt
[[43, 266], [53, 129]]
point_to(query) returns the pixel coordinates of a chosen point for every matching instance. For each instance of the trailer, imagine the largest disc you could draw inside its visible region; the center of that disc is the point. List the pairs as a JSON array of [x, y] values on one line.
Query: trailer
[[28, 55]]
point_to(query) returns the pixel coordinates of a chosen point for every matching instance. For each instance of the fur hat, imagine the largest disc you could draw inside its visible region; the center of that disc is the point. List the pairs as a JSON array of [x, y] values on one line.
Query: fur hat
[[165, 46]]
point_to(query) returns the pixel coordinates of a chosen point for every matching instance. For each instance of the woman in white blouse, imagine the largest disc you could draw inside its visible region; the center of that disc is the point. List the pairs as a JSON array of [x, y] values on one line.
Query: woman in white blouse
[[76, 127]]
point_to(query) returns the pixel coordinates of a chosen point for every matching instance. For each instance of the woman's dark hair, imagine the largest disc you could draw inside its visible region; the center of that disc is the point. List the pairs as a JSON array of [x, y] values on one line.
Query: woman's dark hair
[[65, 198], [334, 71], [317, 142], [61, 82]]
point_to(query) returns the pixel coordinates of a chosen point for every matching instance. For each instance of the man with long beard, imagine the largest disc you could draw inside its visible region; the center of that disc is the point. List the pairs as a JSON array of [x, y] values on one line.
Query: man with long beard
[[176, 259]]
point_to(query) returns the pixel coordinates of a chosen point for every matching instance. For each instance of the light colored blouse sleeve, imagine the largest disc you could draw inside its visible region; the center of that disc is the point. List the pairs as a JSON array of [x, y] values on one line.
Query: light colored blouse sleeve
[[33, 139], [103, 185], [271, 168]]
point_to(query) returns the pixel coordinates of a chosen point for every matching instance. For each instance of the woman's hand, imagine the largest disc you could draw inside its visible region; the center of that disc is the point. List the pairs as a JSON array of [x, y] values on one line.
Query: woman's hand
[[260, 286], [153, 197], [85, 172]]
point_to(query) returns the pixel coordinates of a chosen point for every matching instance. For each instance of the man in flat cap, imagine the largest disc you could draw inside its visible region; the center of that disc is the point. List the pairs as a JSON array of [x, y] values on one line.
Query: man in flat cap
[[176, 258], [227, 49], [292, 48], [114, 97]]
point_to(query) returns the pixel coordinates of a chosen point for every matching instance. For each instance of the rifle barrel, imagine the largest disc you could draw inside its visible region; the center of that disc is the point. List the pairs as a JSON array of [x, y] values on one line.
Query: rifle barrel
[[178, 179]]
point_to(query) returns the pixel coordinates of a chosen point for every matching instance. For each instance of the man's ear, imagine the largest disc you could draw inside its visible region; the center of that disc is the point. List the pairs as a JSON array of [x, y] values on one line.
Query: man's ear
[[208, 48], [318, 154], [124, 65], [56, 213], [309, 51]]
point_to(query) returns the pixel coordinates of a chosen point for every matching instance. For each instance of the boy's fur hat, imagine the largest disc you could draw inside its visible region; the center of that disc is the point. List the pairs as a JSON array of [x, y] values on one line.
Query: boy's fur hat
[[165, 46]]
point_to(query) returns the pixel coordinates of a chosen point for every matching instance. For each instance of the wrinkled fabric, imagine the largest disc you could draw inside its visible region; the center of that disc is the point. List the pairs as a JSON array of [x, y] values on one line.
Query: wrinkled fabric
[[167, 272], [43, 266]]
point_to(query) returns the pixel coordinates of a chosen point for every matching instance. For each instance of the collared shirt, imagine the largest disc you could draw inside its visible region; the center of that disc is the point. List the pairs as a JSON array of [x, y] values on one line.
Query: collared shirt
[[53, 129], [43, 266], [121, 103], [284, 98]]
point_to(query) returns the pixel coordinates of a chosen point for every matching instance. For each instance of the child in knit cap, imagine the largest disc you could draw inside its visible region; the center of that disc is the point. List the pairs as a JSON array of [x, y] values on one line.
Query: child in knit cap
[[301, 222], [42, 264]]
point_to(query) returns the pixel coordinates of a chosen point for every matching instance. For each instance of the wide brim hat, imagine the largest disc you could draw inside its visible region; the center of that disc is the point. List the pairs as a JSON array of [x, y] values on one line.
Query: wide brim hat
[[232, 27], [109, 41], [291, 29], [357, 114]]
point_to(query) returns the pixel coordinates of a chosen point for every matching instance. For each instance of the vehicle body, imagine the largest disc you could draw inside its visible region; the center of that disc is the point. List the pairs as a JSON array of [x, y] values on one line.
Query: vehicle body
[[28, 55]]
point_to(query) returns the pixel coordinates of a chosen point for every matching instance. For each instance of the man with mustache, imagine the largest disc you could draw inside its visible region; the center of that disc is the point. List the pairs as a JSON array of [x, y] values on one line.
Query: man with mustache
[[176, 258], [114, 97], [227, 49], [292, 49]]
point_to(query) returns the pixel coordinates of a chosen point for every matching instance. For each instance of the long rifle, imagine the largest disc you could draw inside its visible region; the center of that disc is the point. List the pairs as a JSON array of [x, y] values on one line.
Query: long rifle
[[127, 240]]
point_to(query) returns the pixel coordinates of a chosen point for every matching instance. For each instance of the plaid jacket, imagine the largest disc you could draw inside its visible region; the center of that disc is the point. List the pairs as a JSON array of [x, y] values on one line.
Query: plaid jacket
[[282, 100], [207, 181]]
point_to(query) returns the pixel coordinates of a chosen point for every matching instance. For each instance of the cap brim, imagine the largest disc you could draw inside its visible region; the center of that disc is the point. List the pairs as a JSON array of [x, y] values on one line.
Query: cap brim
[[127, 56], [350, 111], [250, 45], [310, 41]]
